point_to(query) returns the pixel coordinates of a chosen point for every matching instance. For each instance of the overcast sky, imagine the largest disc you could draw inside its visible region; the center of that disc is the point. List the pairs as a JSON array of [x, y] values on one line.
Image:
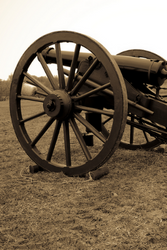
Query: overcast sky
[[117, 24]]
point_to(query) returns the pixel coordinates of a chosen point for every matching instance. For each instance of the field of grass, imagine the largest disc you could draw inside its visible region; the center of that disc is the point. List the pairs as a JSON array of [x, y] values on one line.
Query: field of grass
[[126, 209]]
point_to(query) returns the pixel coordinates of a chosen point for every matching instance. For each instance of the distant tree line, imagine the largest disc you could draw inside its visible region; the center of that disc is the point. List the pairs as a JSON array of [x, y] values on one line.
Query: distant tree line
[[5, 85], [5, 88]]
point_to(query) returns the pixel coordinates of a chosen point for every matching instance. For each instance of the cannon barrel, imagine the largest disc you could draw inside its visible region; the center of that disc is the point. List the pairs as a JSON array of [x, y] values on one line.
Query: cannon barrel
[[134, 69]]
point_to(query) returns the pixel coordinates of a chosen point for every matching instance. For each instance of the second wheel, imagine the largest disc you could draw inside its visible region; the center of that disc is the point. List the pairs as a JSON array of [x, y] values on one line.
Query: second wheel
[[135, 138]]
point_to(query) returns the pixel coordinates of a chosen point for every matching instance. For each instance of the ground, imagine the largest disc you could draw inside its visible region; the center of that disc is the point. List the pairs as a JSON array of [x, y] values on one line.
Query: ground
[[126, 209]]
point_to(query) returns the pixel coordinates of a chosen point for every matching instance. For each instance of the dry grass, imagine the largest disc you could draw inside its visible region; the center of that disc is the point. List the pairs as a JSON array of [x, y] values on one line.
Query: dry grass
[[127, 209]]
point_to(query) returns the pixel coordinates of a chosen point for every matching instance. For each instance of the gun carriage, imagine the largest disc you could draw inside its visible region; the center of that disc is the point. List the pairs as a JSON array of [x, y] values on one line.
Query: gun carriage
[[96, 98]]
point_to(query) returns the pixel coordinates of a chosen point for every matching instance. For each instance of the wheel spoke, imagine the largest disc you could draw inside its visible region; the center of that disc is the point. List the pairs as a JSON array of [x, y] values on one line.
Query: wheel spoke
[[90, 109], [104, 131], [36, 82], [47, 71], [91, 92], [80, 139], [54, 140], [60, 66], [41, 133], [146, 137], [84, 77], [30, 82], [40, 93], [73, 67], [132, 130], [90, 127], [31, 98], [32, 117], [67, 143]]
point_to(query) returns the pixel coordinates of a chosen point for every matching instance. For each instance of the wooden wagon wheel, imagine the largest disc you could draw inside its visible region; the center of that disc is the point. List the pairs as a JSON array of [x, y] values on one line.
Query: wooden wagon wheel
[[50, 125], [146, 141]]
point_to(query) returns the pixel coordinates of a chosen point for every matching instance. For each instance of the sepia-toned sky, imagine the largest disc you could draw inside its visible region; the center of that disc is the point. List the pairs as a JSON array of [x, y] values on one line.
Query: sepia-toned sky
[[117, 24]]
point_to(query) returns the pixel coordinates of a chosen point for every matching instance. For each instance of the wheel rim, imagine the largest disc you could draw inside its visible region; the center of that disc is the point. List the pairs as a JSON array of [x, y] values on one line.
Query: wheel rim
[[54, 111], [146, 141]]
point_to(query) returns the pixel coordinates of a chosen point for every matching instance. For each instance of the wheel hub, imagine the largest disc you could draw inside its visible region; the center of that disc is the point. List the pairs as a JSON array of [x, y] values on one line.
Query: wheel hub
[[58, 104], [51, 105]]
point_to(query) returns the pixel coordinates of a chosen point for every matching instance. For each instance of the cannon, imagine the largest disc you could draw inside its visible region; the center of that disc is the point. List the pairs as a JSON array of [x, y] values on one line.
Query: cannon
[[86, 108]]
